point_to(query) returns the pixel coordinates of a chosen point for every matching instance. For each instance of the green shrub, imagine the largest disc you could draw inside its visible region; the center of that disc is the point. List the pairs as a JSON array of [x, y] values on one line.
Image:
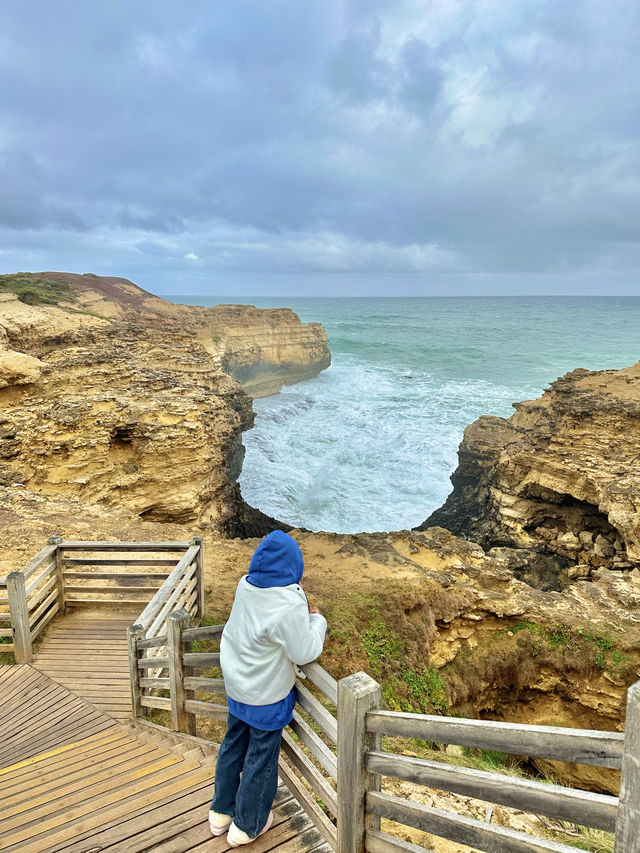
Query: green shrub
[[33, 290]]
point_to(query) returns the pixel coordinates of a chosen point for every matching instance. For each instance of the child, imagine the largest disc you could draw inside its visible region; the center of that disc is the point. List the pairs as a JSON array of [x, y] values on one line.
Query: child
[[270, 630]]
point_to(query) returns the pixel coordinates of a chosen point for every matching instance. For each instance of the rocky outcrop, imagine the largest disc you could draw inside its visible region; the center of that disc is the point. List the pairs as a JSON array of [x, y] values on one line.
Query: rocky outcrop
[[561, 476], [263, 349], [112, 395]]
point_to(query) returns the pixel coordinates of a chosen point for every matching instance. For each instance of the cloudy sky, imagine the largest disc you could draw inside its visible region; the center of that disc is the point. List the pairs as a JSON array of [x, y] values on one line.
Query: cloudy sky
[[324, 146]]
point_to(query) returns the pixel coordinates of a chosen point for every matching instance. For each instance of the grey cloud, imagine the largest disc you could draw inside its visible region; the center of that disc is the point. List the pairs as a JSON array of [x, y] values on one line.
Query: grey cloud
[[332, 135]]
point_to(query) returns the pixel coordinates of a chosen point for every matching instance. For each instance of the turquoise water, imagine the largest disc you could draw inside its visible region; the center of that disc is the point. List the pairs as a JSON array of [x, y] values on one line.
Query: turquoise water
[[371, 442]]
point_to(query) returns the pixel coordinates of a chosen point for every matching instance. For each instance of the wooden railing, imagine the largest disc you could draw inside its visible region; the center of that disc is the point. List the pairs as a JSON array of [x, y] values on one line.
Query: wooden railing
[[308, 763], [334, 766], [92, 574], [362, 763]]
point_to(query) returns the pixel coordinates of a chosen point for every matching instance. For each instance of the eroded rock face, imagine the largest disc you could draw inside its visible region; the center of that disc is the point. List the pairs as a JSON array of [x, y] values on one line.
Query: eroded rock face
[[120, 398], [263, 349], [561, 476]]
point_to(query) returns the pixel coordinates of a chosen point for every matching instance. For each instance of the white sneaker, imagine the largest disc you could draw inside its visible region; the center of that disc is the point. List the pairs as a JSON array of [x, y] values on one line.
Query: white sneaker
[[219, 823], [236, 837]]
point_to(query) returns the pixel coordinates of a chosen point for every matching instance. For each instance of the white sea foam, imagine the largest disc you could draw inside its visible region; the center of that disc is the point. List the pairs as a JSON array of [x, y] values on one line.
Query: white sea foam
[[361, 447]]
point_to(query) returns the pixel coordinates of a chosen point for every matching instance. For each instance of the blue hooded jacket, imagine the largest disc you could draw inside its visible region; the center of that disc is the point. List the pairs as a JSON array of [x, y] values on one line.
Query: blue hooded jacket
[[277, 561]]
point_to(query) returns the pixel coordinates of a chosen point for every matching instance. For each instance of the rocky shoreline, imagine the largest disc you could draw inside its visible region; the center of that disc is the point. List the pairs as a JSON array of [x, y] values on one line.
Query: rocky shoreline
[[112, 395], [121, 417]]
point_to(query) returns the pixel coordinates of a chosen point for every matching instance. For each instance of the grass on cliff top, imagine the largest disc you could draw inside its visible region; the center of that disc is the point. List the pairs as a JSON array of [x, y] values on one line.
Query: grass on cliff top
[[33, 290]]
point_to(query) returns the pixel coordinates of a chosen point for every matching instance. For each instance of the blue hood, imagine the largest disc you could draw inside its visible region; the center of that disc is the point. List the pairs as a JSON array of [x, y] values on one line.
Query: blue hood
[[277, 561]]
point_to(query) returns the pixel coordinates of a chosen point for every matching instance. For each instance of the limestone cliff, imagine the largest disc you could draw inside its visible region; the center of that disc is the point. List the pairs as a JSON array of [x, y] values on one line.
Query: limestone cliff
[[109, 394], [263, 349], [559, 477]]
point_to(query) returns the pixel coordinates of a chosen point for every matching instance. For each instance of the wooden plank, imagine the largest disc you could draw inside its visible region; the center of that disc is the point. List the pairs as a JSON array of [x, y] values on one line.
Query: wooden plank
[[197, 540], [213, 685], [42, 593], [201, 659], [134, 633], [53, 596], [187, 831], [582, 746], [44, 621], [316, 746], [317, 711], [380, 842], [154, 683], [178, 586], [628, 829], [151, 642], [456, 827], [322, 822], [35, 562], [160, 702], [119, 561], [49, 569], [322, 680], [289, 825], [357, 694], [79, 602], [203, 632], [597, 810], [20, 617], [89, 589], [206, 709], [306, 768], [124, 546], [84, 767], [116, 576], [153, 663]]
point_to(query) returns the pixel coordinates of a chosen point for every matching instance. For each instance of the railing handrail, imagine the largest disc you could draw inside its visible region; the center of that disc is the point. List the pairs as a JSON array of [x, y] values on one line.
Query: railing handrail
[[582, 746], [361, 763], [38, 591]]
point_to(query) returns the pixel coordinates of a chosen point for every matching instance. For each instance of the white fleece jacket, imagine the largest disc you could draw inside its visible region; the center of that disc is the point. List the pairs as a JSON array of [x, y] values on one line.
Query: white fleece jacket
[[269, 631]]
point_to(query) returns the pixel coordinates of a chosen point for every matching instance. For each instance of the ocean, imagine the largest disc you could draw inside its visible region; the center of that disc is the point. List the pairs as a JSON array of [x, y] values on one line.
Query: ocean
[[370, 443]]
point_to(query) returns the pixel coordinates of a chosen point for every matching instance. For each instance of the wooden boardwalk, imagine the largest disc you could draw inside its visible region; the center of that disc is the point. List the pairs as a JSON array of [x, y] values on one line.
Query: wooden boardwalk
[[88, 655], [75, 779]]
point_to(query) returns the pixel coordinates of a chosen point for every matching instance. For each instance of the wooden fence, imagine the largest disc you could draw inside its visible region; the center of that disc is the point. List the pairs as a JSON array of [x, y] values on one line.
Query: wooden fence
[[335, 765], [95, 574], [362, 763]]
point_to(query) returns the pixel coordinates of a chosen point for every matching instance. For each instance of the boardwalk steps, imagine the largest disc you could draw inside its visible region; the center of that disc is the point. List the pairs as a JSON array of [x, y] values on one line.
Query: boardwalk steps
[[74, 779], [89, 656]]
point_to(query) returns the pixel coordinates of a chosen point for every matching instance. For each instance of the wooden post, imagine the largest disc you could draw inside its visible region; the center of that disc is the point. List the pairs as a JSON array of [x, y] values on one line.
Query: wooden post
[[19, 610], [628, 823], [56, 540], [134, 633], [181, 720], [197, 540], [357, 694]]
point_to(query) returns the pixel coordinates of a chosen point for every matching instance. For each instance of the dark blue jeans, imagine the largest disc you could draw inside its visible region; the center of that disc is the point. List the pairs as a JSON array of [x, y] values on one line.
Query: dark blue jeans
[[253, 753]]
